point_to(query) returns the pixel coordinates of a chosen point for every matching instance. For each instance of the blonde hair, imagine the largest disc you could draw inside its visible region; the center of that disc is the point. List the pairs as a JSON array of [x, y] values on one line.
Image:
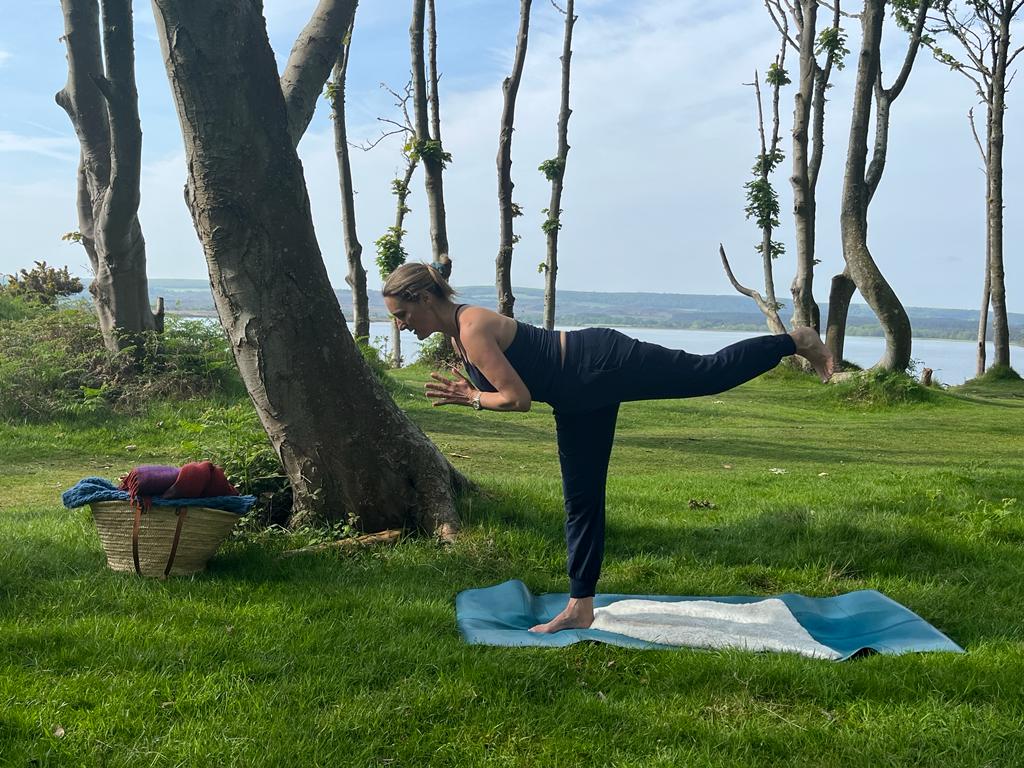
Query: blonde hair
[[410, 280]]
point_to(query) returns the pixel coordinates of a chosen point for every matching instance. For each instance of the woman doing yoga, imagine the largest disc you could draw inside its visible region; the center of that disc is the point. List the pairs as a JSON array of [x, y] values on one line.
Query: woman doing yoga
[[583, 375]]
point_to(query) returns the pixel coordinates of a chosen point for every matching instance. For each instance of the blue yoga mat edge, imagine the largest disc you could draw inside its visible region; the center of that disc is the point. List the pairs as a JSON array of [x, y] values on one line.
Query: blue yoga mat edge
[[850, 624]]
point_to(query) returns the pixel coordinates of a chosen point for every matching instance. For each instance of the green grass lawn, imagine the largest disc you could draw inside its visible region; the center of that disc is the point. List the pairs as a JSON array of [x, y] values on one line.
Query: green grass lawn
[[354, 660]]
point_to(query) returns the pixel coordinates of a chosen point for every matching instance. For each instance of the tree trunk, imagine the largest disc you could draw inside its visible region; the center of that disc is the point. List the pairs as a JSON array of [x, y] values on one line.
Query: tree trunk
[[983, 30], [356, 277], [429, 148], [396, 344], [803, 199], [762, 200], [346, 447], [555, 205], [1000, 325], [808, 116], [987, 289], [767, 244], [101, 100], [309, 64], [506, 209], [401, 193], [859, 184], [983, 318], [838, 310]]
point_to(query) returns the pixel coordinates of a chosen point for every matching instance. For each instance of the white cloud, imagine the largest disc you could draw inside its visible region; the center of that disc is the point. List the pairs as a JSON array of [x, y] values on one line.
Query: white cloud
[[5, 56], [59, 148]]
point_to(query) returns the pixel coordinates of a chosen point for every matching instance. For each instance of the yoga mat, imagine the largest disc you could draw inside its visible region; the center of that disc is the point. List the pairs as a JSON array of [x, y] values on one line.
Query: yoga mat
[[865, 620]]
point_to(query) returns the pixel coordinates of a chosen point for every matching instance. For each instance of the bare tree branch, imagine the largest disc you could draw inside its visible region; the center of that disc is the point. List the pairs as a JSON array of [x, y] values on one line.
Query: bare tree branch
[[820, 89], [915, 44], [369, 144], [974, 131], [402, 102], [773, 7], [760, 113], [835, 8], [1014, 55], [732, 278]]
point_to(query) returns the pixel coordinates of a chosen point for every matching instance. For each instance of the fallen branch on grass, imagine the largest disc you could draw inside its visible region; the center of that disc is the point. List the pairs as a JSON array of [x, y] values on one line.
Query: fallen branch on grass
[[349, 545]]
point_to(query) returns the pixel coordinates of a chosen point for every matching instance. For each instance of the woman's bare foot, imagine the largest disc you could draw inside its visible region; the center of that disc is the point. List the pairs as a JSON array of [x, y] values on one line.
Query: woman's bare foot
[[809, 346], [578, 614]]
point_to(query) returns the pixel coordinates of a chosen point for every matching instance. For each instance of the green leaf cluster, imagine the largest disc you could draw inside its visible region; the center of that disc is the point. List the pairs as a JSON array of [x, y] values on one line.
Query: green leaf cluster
[[429, 150], [762, 203], [763, 200], [776, 76], [390, 251], [399, 188], [904, 12], [775, 249], [551, 223], [832, 42], [553, 168]]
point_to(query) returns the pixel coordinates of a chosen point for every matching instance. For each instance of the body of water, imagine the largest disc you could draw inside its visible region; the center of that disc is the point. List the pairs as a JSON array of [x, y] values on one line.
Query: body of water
[[952, 361]]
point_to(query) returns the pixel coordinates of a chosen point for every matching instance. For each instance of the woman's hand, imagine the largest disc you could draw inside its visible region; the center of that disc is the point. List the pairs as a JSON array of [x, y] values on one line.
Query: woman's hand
[[445, 391]]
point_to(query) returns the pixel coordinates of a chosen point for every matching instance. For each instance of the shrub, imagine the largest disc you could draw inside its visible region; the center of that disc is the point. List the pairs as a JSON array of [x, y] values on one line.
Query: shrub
[[377, 364], [43, 284], [437, 353], [233, 438], [15, 307], [53, 363]]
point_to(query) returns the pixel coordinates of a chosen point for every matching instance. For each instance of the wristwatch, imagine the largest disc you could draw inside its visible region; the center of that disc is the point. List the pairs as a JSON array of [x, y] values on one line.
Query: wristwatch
[[475, 402]]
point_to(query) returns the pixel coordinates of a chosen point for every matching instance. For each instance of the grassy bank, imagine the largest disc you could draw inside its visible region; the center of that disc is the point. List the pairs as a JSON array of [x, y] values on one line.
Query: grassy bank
[[355, 660]]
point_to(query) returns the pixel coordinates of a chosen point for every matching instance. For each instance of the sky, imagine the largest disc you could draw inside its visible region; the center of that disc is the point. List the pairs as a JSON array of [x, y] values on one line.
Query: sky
[[663, 136]]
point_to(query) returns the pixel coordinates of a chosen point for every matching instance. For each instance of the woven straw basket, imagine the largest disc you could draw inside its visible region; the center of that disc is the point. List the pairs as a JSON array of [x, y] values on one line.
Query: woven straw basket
[[161, 541]]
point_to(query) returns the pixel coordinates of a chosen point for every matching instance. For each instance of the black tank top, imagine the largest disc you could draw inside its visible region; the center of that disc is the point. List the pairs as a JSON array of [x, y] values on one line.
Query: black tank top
[[535, 354]]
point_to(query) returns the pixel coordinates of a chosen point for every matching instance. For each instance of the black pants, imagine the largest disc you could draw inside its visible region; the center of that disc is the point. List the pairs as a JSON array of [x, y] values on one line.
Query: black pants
[[604, 368]]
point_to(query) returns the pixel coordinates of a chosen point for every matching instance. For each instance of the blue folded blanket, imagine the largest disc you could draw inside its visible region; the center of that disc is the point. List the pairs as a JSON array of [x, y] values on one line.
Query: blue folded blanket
[[843, 625], [93, 489]]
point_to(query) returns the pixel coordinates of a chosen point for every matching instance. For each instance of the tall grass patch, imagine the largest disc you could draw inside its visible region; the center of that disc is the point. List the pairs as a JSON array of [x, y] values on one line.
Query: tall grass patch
[[53, 364]]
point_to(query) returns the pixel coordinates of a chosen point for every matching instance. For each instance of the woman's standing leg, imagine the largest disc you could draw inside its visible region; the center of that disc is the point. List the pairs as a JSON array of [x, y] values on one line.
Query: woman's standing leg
[[584, 449]]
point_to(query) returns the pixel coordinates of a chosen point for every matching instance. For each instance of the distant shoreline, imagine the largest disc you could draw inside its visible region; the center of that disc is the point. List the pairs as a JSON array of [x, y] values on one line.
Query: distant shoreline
[[668, 311], [1014, 342]]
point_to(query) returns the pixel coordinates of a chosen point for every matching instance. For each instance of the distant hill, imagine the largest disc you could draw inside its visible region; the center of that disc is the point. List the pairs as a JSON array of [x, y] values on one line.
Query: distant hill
[[628, 310]]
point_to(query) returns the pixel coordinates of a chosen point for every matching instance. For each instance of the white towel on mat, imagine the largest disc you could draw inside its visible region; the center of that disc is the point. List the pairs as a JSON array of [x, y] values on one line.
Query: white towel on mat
[[767, 625]]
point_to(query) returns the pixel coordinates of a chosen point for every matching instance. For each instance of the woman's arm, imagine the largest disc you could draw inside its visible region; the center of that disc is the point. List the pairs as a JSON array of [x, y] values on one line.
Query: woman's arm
[[479, 335]]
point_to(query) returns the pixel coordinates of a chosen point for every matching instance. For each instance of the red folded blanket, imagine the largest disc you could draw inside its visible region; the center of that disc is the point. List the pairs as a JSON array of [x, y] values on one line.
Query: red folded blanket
[[192, 481]]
